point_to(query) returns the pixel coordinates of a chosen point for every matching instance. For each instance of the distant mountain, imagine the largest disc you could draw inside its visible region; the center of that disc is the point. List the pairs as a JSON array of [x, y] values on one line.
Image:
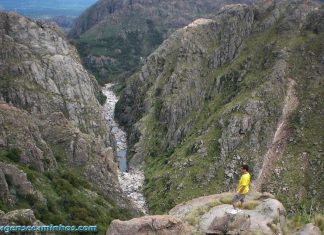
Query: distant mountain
[[113, 37], [43, 9], [64, 22]]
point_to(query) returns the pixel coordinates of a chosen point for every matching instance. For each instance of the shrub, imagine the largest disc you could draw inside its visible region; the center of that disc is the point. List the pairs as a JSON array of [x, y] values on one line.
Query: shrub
[[13, 154], [74, 179], [194, 216], [101, 97], [24, 221], [31, 198]]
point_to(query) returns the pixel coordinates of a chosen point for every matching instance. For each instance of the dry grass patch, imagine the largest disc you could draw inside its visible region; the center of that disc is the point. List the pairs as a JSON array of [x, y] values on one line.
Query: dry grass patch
[[226, 200], [318, 220], [194, 216], [251, 205]]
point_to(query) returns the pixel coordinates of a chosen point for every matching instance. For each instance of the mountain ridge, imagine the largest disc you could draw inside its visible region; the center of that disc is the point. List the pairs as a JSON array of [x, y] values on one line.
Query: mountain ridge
[[56, 149], [212, 97], [114, 37]]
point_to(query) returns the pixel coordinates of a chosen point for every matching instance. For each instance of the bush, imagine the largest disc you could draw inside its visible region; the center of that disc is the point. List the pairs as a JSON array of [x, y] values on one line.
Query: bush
[[13, 154], [23, 221], [31, 198], [62, 186], [74, 179], [101, 97]]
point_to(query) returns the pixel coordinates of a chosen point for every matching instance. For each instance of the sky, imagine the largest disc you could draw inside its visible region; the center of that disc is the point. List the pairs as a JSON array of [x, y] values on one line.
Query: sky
[[46, 8]]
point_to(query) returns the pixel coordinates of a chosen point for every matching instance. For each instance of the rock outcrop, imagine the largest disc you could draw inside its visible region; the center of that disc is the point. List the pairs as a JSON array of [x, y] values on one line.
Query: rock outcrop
[[209, 215], [230, 90], [19, 217], [14, 183], [54, 141], [41, 73], [157, 224], [308, 229]]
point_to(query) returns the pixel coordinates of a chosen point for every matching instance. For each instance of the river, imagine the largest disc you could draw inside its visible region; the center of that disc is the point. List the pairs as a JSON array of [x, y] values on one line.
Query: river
[[131, 181]]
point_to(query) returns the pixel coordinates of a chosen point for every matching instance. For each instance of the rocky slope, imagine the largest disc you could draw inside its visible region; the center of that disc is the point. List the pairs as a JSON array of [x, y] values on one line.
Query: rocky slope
[[114, 37], [57, 152], [263, 214], [244, 87]]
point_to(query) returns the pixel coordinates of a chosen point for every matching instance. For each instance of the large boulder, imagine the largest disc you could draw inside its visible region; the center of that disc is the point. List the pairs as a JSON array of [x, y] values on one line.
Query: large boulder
[[308, 229], [14, 183], [268, 218], [19, 217], [158, 224], [219, 220], [213, 215]]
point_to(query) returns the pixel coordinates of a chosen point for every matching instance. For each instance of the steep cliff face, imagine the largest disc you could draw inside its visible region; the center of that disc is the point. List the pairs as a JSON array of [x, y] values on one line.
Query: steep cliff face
[[56, 149], [36, 64], [113, 37], [229, 90]]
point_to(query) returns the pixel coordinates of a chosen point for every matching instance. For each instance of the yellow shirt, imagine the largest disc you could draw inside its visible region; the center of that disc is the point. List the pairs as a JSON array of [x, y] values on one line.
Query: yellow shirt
[[244, 181]]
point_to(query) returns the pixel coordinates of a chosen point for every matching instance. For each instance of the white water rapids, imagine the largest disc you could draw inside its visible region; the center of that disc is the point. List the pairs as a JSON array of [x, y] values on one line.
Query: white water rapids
[[131, 181]]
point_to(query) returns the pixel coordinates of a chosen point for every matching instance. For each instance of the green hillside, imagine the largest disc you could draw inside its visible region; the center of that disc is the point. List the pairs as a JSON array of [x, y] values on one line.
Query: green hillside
[[234, 90]]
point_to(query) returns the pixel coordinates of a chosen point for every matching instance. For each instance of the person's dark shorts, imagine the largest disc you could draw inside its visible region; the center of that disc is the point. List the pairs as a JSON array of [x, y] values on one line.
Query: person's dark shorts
[[238, 197]]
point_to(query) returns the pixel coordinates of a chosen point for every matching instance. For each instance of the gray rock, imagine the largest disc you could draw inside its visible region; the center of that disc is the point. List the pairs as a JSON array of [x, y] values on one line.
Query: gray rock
[[218, 218], [158, 224], [45, 75], [14, 182], [264, 218], [19, 217], [308, 229], [49, 110]]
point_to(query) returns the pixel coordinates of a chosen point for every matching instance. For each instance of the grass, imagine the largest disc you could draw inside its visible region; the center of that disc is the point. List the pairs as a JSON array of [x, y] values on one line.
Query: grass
[[318, 220], [208, 169], [12, 154], [194, 216], [68, 198], [170, 179], [302, 174], [251, 205], [203, 120], [226, 200], [297, 221]]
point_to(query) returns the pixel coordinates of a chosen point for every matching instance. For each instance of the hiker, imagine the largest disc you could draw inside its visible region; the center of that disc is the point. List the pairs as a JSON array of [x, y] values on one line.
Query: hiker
[[243, 186]]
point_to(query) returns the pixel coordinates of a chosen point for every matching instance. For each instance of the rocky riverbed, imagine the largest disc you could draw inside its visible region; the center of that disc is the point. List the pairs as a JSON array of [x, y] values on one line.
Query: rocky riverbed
[[131, 181]]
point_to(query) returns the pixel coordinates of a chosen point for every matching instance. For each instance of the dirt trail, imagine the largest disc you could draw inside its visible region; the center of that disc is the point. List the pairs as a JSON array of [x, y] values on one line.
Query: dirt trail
[[280, 138]]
